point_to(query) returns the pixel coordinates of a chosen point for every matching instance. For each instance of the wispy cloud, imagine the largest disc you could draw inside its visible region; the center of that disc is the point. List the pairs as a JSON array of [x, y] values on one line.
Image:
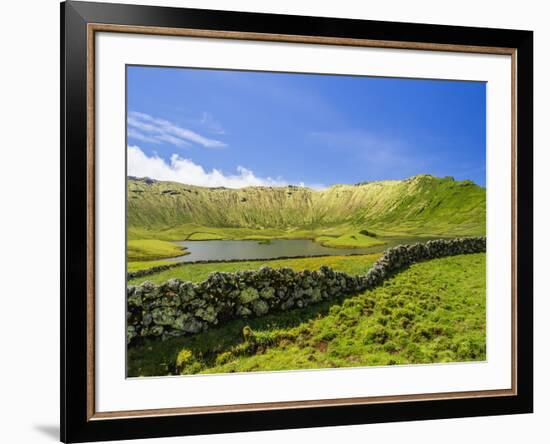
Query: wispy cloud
[[135, 134], [381, 157], [179, 169], [210, 123], [203, 120], [146, 128], [156, 138]]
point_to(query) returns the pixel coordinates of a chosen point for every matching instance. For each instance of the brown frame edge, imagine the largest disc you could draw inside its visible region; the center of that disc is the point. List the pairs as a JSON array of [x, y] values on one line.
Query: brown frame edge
[[297, 404], [92, 28]]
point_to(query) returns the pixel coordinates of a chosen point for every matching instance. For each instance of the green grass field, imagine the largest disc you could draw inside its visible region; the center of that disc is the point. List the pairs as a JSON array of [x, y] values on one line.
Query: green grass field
[[349, 240], [191, 231], [145, 265], [431, 312], [150, 249], [358, 264]]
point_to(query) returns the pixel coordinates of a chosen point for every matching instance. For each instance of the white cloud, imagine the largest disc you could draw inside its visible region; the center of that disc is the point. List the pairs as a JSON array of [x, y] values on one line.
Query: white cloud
[[186, 171], [147, 128]]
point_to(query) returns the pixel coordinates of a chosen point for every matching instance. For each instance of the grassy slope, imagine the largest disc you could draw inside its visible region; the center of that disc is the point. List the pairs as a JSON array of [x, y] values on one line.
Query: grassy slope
[[358, 264], [335, 217], [420, 205], [151, 249], [432, 312]]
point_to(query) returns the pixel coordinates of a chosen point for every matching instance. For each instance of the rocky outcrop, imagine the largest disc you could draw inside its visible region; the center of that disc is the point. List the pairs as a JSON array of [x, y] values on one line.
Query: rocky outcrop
[[178, 307]]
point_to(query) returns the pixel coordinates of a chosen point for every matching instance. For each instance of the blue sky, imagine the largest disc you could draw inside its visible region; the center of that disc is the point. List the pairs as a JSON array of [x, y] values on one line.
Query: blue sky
[[236, 128]]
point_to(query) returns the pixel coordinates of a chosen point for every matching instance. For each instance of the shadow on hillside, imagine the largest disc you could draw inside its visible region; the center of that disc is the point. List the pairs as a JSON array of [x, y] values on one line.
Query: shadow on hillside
[[155, 357], [208, 345]]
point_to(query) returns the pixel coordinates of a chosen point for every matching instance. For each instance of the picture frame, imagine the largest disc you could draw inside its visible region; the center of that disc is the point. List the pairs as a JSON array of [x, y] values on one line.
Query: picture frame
[[81, 22]]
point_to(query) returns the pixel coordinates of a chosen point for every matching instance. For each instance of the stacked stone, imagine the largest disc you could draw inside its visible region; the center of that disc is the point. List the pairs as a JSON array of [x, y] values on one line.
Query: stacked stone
[[401, 256], [179, 307], [152, 270]]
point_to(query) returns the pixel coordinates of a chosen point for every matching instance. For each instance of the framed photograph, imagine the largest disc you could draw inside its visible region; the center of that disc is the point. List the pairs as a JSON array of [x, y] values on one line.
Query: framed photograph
[[275, 221]]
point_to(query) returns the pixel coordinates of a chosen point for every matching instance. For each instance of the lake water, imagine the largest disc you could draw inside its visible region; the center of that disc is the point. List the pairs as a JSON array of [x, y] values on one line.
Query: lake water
[[219, 250]]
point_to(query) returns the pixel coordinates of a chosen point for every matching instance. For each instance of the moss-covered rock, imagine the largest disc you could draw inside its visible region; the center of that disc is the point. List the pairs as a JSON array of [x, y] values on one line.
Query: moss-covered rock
[[260, 307], [249, 294]]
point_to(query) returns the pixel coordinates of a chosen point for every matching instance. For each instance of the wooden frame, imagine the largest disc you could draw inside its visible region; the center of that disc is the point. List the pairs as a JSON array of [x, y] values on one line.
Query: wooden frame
[[80, 22]]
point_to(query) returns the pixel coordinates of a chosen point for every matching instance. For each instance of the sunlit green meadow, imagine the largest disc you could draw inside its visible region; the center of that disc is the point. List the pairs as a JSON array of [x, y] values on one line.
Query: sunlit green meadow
[[431, 312]]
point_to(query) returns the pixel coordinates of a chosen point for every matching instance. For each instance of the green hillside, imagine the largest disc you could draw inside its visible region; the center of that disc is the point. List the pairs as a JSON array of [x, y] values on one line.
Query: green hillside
[[420, 205]]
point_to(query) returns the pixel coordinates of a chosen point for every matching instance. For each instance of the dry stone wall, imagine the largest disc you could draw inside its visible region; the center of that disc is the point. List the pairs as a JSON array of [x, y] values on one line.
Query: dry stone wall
[[177, 307]]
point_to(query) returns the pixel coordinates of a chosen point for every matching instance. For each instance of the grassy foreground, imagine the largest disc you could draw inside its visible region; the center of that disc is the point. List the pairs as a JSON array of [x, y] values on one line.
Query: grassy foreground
[[432, 312], [358, 264]]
